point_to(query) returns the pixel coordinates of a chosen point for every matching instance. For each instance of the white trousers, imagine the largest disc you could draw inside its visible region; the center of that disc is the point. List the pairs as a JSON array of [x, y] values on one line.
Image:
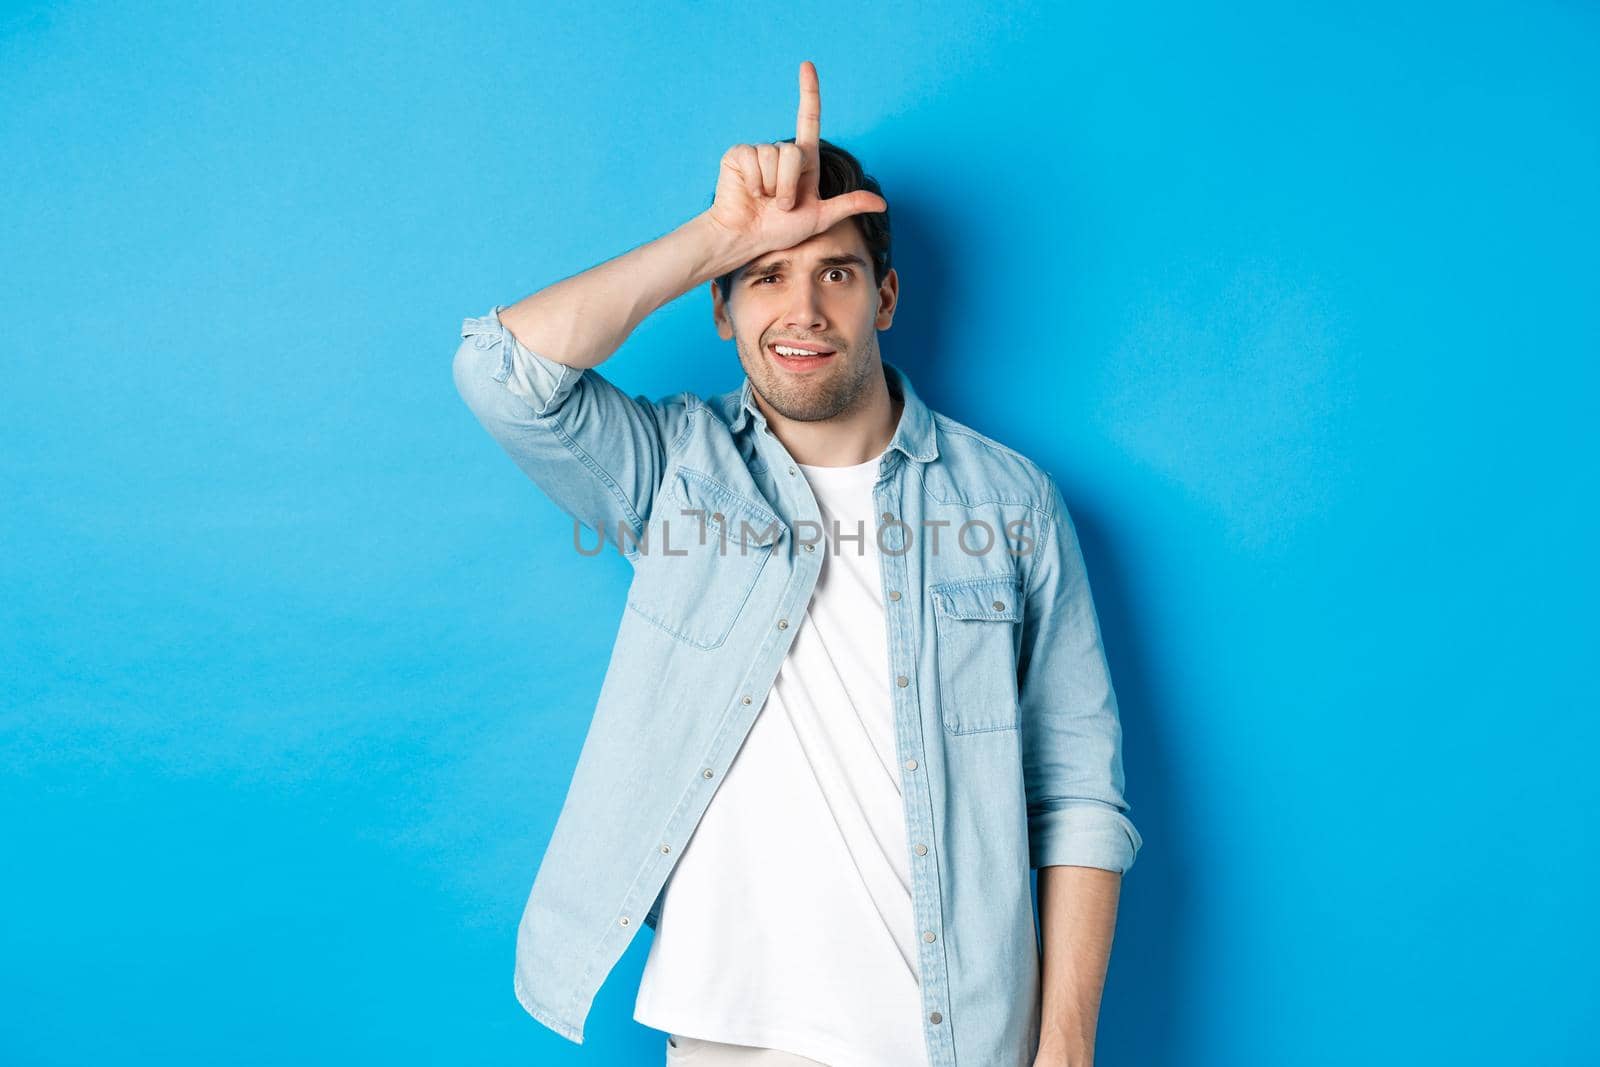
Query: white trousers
[[695, 1052]]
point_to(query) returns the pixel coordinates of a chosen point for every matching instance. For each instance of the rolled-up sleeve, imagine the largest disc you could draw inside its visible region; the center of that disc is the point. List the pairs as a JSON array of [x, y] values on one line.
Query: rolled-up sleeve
[[596, 452], [1071, 730], [541, 382]]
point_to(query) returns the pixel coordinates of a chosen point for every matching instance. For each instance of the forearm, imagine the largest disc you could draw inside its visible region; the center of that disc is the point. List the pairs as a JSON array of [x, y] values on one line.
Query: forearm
[[1078, 917], [582, 320]]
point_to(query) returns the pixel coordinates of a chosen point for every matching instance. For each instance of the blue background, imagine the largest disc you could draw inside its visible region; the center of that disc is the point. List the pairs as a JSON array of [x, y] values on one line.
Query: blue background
[[1300, 308]]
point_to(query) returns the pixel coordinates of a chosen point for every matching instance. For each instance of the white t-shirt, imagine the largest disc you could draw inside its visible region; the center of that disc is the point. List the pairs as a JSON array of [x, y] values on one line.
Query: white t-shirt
[[787, 922]]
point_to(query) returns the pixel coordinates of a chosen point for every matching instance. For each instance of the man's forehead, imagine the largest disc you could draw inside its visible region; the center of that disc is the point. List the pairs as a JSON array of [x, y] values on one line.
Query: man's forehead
[[841, 240], [832, 251]]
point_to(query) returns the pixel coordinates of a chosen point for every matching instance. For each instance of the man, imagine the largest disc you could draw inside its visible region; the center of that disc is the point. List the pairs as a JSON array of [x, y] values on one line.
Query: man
[[858, 690]]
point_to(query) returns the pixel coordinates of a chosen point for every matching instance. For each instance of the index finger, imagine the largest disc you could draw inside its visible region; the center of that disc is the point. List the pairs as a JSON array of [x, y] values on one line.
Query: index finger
[[809, 120]]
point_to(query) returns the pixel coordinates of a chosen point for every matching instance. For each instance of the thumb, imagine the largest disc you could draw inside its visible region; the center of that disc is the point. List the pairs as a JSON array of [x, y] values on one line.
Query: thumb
[[856, 203]]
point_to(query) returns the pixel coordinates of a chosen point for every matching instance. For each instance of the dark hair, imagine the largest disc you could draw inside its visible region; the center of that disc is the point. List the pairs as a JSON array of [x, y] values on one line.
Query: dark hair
[[840, 172]]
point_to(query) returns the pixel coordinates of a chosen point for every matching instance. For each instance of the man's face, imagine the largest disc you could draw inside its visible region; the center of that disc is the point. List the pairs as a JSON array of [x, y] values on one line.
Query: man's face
[[817, 295]]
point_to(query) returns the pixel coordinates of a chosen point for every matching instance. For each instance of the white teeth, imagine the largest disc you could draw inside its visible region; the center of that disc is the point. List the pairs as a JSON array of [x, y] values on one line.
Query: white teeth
[[785, 350]]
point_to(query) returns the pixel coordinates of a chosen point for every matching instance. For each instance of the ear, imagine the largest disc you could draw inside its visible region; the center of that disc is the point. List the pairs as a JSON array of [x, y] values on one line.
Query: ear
[[719, 313], [888, 299]]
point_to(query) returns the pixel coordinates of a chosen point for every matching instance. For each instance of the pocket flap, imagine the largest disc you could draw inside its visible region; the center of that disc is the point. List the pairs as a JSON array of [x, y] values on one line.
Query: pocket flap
[[725, 512], [998, 598]]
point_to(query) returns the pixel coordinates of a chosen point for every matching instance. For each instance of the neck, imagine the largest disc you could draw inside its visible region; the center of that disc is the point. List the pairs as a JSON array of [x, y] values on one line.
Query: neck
[[849, 438]]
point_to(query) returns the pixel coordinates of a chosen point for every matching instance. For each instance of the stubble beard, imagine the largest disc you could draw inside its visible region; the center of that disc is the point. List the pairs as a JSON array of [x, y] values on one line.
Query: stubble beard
[[799, 397]]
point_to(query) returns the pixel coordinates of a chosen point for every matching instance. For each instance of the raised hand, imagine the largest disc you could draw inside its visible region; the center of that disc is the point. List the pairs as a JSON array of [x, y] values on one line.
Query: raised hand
[[767, 193]]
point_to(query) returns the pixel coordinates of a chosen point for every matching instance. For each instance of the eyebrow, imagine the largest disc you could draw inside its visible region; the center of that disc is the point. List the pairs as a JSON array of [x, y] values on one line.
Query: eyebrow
[[846, 259]]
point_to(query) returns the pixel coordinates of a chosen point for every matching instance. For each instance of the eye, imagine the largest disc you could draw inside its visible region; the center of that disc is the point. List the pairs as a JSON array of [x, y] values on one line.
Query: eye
[[765, 278], [840, 270]]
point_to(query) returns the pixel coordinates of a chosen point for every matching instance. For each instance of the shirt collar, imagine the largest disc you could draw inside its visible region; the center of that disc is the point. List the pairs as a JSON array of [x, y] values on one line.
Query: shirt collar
[[914, 435]]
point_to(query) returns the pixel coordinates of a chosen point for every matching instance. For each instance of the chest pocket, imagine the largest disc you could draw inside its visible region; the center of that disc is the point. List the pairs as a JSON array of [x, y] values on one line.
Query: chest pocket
[[705, 548], [976, 622]]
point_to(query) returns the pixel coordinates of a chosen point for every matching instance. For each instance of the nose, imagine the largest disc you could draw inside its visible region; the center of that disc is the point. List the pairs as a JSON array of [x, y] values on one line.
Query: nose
[[805, 312]]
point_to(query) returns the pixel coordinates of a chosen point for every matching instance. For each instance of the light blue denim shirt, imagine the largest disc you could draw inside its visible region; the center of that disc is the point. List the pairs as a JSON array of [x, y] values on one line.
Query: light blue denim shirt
[[1005, 719]]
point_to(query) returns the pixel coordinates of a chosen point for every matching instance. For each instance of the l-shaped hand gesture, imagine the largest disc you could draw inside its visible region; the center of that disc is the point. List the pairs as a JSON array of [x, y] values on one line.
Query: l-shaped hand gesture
[[767, 193]]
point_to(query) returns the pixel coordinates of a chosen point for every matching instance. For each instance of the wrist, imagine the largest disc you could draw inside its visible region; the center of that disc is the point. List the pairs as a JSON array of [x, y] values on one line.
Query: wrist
[[1067, 1045], [718, 249], [1063, 1056]]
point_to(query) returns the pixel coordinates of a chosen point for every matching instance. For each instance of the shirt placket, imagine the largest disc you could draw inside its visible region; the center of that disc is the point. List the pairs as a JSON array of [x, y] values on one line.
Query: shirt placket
[[916, 791]]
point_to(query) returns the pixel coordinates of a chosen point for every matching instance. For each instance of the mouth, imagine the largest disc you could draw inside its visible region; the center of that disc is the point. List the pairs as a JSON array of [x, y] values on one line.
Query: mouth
[[800, 355]]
